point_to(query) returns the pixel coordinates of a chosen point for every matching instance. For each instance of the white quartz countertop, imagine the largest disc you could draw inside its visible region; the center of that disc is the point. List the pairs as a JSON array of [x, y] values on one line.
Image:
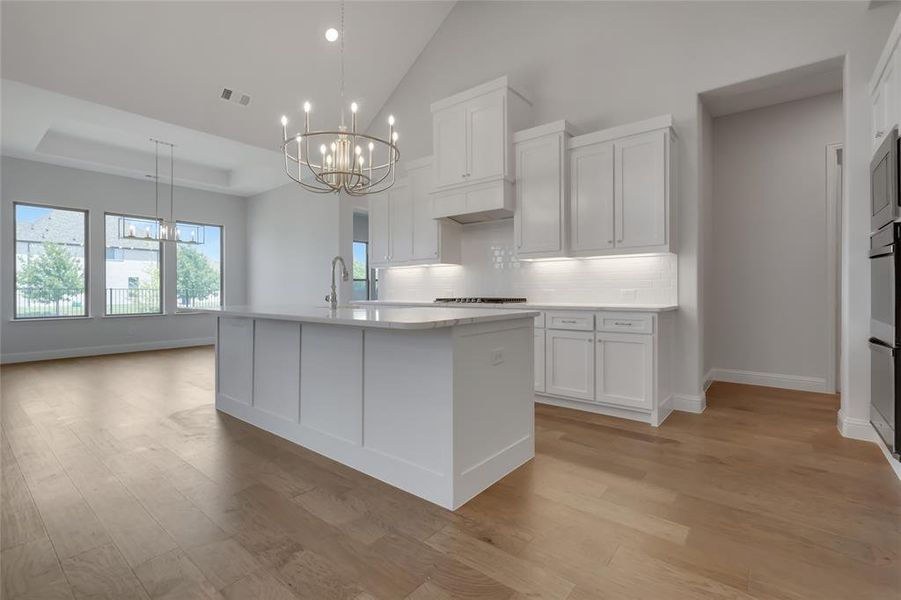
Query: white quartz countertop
[[526, 306], [381, 317]]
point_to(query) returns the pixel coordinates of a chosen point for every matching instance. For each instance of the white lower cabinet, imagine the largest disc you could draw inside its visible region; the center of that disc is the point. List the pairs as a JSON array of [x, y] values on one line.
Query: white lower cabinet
[[609, 362], [570, 364], [624, 369], [539, 360]]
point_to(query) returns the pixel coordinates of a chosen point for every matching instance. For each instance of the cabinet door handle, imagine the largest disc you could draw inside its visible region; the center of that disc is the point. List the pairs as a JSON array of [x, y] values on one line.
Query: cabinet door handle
[[622, 324]]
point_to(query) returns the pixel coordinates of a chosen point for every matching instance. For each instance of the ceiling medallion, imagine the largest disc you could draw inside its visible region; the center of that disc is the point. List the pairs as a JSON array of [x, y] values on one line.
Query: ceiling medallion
[[342, 160]]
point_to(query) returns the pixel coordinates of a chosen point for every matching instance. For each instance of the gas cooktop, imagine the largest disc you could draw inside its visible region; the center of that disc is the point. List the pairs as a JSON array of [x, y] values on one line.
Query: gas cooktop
[[480, 300]]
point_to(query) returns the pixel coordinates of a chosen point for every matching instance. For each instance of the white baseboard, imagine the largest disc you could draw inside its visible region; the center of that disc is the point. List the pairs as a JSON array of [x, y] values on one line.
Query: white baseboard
[[17, 357], [862, 429], [776, 380], [689, 403], [856, 429]]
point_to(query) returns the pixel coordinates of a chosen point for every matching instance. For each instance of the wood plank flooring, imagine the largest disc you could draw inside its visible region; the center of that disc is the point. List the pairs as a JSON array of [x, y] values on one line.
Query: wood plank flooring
[[120, 480]]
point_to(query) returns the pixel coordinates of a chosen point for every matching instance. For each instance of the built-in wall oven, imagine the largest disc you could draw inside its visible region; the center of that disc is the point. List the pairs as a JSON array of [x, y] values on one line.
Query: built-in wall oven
[[885, 308]]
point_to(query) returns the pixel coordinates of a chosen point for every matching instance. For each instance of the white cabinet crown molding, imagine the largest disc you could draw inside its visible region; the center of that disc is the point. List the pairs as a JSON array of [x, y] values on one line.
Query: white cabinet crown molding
[[622, 131], [562, 126], [501, 83], [890, 45]]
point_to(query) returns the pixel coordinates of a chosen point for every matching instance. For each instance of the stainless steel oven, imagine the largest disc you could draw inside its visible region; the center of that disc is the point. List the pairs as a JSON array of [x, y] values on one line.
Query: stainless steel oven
[[884, 197], [885, 346]]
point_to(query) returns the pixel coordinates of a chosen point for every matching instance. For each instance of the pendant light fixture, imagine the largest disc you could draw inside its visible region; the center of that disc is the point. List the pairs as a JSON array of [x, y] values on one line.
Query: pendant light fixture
[[342, 160], [160, 229]]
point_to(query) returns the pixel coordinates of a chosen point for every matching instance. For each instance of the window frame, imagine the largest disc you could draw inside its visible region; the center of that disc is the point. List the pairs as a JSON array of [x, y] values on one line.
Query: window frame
[[368, 279], [161, 261], [184, 310], [87, 270]]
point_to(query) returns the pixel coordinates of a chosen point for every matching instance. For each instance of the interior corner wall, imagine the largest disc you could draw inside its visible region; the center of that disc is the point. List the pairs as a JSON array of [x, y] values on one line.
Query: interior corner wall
[[648, 59], [705, 178], [292, 236], [39, 183], [770, 306]]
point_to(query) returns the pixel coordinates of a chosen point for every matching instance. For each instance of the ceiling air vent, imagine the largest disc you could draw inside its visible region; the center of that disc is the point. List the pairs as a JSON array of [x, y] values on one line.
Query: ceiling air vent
[[235, 97]]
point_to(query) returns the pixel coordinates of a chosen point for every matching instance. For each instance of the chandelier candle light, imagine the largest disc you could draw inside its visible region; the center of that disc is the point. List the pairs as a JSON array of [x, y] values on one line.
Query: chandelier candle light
[[341, 164], [159, 229]]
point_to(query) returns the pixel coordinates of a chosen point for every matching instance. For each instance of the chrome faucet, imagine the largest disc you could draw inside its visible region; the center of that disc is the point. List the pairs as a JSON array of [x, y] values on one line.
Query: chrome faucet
[[333, 297]]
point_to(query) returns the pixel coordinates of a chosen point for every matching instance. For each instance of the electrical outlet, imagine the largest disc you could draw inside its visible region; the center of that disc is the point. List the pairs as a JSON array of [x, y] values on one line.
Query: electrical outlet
[[497, 356]]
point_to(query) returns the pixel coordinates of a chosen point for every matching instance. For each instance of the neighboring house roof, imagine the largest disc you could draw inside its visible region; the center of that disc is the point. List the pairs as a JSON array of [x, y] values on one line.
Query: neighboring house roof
[[67, 227], [59, 227]]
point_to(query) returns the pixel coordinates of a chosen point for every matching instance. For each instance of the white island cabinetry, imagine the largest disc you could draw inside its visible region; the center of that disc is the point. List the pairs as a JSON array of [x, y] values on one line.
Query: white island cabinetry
[[612, 360], [434, 402]]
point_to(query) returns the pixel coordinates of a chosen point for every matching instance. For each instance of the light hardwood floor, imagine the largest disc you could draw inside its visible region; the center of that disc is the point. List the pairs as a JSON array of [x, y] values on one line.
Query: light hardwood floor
[[120, 480]]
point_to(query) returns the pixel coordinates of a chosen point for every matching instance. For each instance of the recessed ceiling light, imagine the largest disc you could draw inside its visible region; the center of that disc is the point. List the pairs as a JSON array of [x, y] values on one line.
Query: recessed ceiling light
[[331, 34]]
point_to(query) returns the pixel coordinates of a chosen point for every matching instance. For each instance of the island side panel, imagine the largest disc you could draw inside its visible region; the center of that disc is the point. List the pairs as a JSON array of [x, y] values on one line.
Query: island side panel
[[408, 408], [276, 368], [234, 360], [331, 376], [494, 414]]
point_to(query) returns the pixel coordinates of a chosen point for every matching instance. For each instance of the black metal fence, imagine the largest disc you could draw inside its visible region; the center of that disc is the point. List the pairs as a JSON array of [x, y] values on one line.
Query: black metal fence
[[132, 301], [32, 304], [119, 301]]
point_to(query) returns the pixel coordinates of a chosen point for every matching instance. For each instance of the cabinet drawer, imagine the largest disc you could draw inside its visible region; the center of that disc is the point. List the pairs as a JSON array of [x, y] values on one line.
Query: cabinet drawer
[[625, 322], [578, 321]]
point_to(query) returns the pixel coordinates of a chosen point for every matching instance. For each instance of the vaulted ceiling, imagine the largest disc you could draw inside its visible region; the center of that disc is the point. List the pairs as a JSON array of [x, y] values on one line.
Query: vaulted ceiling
[[169, 61]]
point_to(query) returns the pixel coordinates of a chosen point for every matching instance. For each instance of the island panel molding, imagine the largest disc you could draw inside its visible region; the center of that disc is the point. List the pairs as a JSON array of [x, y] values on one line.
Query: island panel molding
[[436, 402]]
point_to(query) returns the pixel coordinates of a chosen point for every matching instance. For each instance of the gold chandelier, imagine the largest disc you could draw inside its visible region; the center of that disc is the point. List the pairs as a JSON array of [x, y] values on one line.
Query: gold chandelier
[[342, 160]]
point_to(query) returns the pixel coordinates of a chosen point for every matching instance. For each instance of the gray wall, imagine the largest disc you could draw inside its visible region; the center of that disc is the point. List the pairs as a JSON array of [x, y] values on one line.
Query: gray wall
[[38, 183], [292, 236], [769, 307], [599, 64]]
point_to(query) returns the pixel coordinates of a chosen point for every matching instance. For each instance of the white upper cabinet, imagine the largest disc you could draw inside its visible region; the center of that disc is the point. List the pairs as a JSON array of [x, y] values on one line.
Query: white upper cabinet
[[486, 137], [379, 230], [539, 220], [402, 230], [621, 189], [434, 241], [472, 143], [449, 135], [885, 88], [639, 191], [591, 199]]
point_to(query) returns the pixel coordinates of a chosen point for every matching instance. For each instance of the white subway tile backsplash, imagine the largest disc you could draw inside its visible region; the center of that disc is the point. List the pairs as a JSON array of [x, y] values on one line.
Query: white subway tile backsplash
[[490, 268]]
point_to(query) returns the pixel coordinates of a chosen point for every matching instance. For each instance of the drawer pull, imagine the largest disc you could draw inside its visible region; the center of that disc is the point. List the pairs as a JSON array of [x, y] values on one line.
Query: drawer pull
[[622, 324], [572, 321]]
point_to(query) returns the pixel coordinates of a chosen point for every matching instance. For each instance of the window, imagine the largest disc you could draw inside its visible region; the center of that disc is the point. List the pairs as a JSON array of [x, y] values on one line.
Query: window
[[361, 271], [132, 270], [50, 274], [198, 270]]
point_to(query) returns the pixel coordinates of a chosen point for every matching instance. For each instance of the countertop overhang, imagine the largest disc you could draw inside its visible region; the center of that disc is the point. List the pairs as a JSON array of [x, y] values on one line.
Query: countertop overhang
[[380, 317], [523, 306]]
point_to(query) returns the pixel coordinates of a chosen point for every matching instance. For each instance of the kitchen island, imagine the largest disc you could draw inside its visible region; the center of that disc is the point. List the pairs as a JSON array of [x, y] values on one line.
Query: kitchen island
[[437, 402]]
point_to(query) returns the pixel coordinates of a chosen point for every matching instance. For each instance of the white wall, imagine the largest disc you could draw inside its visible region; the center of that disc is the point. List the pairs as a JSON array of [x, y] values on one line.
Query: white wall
[[490, 268], [602, 63], [770, 296], [292, 236], [39, 183]]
